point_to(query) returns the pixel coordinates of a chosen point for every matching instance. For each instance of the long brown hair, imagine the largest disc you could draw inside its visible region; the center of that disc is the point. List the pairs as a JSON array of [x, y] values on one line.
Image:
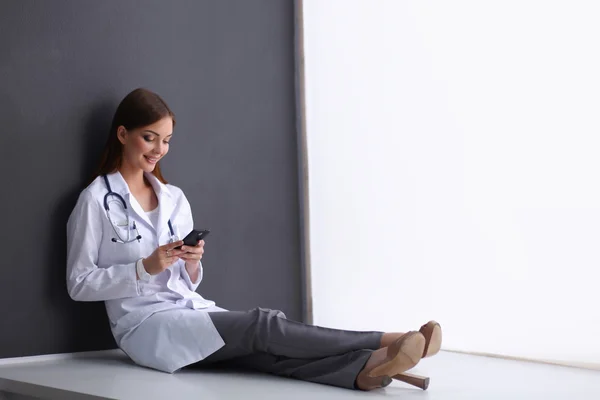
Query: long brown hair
[[139, 108]]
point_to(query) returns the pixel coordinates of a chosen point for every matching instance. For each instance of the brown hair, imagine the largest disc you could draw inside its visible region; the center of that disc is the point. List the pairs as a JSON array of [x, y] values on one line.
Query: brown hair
[[139, 108]]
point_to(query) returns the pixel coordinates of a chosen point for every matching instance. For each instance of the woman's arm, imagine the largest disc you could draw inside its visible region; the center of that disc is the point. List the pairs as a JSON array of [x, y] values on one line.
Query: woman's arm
[[85, 280], [189, 272], [187, 277]]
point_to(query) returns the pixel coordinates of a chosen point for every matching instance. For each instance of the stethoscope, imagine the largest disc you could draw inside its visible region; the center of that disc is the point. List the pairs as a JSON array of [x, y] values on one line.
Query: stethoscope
[[125, 224]]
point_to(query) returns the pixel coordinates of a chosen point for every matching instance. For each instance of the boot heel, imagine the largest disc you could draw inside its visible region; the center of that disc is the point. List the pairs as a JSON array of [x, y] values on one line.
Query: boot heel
[[415, 380]]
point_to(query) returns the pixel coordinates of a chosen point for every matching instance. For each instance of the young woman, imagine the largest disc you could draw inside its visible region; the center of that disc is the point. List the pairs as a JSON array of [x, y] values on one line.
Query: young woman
[[123, 236]]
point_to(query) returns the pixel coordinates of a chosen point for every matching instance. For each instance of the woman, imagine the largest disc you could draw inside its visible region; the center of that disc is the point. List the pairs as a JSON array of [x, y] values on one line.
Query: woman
[[122, 249]]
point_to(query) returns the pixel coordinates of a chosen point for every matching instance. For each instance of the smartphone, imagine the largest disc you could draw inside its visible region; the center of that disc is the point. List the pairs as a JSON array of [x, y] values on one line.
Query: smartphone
[[194, 237]]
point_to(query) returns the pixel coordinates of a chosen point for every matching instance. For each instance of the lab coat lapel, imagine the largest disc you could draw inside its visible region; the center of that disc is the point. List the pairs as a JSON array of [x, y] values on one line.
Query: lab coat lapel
[[119, 185], [166, 206], [138, 210]]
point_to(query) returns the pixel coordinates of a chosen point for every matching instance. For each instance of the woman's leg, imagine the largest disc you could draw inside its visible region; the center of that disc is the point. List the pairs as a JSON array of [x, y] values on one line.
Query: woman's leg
[[265, 340], [356, 369], [268, 331], [339, 370]]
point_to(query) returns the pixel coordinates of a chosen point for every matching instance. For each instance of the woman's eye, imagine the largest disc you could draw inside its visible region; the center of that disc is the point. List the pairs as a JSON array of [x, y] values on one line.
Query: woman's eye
[[166, 142], [148, 138]]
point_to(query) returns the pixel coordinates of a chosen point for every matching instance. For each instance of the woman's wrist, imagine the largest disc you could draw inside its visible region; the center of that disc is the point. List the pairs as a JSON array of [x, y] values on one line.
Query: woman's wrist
[[193, 270], [141, 271], [192, 265]]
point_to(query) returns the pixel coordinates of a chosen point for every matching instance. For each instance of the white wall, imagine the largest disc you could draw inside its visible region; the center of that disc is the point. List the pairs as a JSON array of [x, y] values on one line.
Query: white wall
[[455, 172]]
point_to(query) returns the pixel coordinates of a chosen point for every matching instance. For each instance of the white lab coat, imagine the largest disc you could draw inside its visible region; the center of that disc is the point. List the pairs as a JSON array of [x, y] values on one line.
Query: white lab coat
[[162, 324]]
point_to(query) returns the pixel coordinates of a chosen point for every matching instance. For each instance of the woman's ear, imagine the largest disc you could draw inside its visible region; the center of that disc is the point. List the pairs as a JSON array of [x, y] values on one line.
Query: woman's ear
[[121, 132]]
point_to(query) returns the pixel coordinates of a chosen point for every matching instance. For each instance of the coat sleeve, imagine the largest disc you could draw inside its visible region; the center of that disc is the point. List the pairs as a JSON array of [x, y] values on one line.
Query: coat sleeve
[[187, 224], [85, 280]]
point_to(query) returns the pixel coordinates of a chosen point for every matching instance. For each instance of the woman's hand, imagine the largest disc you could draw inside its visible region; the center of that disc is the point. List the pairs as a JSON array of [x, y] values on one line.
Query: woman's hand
[[163, 257], [192, 259], [192, 255]]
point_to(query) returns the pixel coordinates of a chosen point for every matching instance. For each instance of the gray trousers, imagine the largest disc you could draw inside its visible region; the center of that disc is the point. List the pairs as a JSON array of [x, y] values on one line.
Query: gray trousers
[[265, 340]]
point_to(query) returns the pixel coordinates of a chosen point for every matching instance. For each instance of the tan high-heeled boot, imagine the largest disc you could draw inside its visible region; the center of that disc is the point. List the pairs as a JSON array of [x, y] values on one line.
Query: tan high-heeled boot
[[432, 331], [402, 355]]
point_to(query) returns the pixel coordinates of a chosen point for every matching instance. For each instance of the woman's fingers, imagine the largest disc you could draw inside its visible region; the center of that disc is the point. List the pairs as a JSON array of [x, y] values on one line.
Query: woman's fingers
[[193, 250], [191, 257], [169, 250], [193, 253], [198, 249], [169, 254], [171, 246], [175, 253]]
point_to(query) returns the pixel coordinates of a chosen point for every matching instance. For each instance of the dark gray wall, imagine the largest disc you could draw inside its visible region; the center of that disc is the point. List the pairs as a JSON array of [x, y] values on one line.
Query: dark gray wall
[[226, 68]]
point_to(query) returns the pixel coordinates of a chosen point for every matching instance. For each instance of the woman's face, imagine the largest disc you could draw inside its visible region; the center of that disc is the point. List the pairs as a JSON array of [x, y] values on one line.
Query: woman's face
[[143, 147]]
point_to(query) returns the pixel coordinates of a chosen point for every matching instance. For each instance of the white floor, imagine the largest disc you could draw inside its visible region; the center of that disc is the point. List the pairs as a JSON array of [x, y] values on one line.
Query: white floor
[[453, 377]]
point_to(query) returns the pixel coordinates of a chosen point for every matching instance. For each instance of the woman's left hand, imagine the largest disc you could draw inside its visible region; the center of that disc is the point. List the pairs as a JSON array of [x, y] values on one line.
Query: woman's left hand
[[193, 254]]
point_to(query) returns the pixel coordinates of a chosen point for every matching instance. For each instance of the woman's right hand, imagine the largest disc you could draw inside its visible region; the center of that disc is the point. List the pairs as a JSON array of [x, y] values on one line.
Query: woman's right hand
[[163, 257]]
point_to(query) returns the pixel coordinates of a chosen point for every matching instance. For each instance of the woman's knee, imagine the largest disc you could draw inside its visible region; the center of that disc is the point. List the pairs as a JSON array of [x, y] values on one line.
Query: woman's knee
[[269, 313]]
